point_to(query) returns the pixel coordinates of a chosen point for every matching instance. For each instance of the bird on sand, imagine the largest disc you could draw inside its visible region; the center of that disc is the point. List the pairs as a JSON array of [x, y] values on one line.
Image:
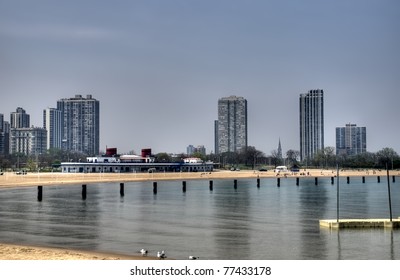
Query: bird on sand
[[143, 252], [161, 255]]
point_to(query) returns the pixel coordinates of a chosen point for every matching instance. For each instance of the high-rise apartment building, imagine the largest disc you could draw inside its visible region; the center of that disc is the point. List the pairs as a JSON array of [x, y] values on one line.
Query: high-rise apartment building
[[23, 138], [351, 140], [190, 150], [28, 141], [80, 121], [216, 137], [1, 122], [4, 136], [201, 150], [19, 119], [52, 122], [231, 128], [311, 123]]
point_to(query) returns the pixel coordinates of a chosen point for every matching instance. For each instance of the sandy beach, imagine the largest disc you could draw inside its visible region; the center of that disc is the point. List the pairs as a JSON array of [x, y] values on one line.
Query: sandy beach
[[9, 179], [12, 180]]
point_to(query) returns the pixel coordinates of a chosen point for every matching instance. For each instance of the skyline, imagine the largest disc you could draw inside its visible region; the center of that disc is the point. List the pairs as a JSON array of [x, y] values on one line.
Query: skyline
[[158, 69]]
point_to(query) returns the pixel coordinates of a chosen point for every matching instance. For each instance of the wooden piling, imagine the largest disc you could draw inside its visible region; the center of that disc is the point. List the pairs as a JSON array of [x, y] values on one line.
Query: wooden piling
[[332, 180], [211, 185], [122, 189], [389, 196], [394, 179], [379, 179], [40, 193], [297, 181], [278, 182], [235, 184], [184, 186], [316, 181], [155, 187], [363, 179], [348, 180], [84, 192], [258, 182]]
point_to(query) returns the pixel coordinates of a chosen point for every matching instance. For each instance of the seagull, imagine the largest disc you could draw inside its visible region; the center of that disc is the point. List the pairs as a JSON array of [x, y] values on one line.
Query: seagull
[[161, 255], [143, 252], [193, 258]]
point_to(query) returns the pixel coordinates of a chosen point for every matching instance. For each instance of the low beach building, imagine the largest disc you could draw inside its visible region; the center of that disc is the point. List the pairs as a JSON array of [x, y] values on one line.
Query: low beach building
[[134, 164]]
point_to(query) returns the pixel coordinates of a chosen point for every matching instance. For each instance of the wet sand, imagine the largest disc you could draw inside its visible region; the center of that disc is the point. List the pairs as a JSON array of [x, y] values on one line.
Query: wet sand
[[18, 252]]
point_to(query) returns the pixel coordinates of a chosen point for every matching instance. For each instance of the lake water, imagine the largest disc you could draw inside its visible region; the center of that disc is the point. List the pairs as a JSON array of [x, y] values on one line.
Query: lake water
[[269, 222]]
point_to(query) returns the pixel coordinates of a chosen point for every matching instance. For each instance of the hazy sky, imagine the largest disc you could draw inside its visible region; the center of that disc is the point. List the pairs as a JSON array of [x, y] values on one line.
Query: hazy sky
[[158, 68]]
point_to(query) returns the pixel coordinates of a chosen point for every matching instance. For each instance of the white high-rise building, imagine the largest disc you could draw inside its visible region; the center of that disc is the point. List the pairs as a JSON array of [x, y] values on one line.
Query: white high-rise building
[[52, 122], [351, 140], [23, 138], [311, 123], [19, 119], [28, 141]]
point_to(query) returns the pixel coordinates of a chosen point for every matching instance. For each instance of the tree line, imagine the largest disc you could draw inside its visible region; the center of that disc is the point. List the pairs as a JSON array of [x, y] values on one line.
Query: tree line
[[325, 158], [248, 158], [43, 162]]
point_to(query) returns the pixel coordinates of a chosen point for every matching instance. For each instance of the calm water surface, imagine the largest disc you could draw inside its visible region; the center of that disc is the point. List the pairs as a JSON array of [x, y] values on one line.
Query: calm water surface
[[226, 223]]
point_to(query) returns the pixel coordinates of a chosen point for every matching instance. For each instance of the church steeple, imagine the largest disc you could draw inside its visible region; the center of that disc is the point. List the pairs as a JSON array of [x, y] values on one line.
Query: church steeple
[[279, 149]]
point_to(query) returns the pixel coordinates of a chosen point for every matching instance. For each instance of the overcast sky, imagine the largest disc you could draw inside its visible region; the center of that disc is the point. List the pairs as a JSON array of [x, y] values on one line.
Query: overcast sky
[[158, 68]]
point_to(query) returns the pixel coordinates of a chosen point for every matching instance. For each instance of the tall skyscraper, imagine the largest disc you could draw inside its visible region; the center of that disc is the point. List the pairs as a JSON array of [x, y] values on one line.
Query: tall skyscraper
[[351, 140], [311, 123], [216, 137], [52, 122], [4, 136], [1, 122], [81, 124], [19, 119], [232, 124]]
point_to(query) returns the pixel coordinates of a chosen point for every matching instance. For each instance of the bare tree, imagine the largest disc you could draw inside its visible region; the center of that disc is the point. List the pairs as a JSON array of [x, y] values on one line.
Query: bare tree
[[275, 158], [293, 157], [386, 156], [249, 156]]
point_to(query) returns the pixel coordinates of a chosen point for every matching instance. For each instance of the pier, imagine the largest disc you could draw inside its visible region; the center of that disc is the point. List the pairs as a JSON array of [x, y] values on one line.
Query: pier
[[360, 223]]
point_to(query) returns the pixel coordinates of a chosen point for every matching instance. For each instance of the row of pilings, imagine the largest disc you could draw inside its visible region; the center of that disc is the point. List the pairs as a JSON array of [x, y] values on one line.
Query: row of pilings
[[332, 180], [84, 191], [211, 185]]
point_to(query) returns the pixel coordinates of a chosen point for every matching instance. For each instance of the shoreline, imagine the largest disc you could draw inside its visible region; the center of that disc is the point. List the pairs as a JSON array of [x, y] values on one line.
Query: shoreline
[[10, 179], [31, 252]]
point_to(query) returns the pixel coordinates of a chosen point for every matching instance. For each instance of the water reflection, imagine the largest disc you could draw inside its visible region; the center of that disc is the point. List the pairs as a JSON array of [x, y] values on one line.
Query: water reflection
[[339, 246], [354, 201], [313, 202], [392, 256], [62, 219], [231, 223]]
